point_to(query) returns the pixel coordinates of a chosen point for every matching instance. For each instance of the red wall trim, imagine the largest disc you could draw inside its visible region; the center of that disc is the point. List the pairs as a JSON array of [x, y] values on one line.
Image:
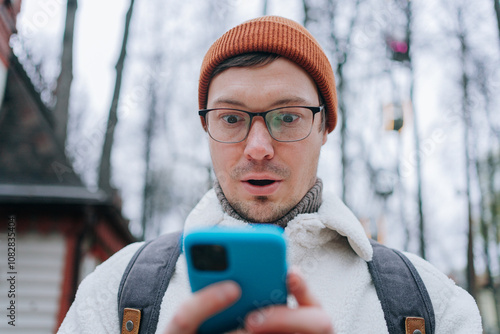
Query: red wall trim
[[67, 285], [107, 236], [99, 253]]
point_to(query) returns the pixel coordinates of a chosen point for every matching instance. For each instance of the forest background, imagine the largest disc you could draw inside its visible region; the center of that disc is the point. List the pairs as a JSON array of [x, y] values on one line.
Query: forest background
[[415, 155]]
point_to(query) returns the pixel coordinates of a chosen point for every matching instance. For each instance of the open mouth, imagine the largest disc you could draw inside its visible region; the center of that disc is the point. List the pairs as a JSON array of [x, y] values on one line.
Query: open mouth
[[261, 187], [261, 183]]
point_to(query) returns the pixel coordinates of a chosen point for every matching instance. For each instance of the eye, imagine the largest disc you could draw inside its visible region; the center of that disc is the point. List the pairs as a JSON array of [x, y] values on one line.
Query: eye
[[288, 118], [232, 118], [285, 119]]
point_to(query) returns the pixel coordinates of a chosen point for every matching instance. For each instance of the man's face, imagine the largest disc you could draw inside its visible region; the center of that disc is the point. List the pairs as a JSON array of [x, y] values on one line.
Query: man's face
[[262, 178]]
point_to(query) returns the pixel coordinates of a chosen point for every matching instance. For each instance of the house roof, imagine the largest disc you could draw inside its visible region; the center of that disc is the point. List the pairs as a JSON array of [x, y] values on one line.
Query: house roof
[[33, 165], [49, 193], [34, 168]]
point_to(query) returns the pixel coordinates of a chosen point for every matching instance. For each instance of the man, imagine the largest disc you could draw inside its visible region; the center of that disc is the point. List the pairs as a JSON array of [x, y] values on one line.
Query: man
[[268, 101]]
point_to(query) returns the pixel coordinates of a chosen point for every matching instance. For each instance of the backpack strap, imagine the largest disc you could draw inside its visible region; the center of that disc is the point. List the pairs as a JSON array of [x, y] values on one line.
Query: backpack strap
[[406, 304], [144, 283]]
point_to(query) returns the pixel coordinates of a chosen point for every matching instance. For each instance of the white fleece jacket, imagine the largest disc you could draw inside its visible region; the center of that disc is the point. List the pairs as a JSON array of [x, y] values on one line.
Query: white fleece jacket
[[330, 248]]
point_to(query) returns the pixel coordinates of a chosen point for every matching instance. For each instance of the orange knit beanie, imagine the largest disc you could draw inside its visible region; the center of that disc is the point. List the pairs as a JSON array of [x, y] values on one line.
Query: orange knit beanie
[[280, 36]]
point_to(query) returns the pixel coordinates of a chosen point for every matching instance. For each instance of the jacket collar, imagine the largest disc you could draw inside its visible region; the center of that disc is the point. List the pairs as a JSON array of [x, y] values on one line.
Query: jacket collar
[[336, 216], [333, 215]]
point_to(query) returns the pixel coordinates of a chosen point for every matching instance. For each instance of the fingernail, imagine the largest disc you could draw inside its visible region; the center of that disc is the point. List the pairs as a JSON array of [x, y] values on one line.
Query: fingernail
[[295, 279], [229, 289]]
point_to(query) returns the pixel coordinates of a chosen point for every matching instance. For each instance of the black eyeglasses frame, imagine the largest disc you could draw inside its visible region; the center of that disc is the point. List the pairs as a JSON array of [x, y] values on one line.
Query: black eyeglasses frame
[[203, 113]]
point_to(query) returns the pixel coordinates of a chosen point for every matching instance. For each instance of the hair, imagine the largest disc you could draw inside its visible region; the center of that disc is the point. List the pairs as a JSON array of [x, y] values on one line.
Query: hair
[[258, 59], [252, 59]]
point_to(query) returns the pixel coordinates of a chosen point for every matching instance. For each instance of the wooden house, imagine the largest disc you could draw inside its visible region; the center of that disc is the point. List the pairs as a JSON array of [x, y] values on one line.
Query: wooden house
[[53, 230]]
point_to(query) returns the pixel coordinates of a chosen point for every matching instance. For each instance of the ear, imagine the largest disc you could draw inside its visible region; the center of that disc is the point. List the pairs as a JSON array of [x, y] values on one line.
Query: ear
[[203, 123], [325, 137]]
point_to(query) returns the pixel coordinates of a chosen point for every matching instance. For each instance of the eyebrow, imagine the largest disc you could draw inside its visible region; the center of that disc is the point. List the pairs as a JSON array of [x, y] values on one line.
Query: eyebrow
[[296, 100], [292, 100], [228, 101]]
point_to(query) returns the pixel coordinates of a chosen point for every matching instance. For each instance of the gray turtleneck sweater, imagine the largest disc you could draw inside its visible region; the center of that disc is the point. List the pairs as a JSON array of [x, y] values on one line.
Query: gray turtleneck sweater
[[308, 204]]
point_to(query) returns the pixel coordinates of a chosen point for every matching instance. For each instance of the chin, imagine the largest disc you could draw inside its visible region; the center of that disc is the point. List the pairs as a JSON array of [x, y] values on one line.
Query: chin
[[262, 220], [261, 213]]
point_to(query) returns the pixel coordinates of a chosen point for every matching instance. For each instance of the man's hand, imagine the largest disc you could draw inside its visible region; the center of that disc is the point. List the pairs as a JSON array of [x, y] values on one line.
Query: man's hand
[[202, 305], [307, 318]]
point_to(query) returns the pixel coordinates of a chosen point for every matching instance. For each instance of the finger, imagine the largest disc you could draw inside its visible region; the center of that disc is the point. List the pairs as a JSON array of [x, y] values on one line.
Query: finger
[[202, 305], [281, 319], [297, 286]]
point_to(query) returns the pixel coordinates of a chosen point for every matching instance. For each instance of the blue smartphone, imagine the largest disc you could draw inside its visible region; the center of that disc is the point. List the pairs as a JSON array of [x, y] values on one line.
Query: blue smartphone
[[254, 257]]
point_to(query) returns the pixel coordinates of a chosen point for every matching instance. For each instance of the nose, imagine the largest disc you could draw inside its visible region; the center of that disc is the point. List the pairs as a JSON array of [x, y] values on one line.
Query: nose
[[259, 143]]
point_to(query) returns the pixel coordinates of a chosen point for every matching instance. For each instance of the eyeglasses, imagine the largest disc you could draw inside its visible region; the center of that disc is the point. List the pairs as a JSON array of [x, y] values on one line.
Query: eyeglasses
[[285, 124]]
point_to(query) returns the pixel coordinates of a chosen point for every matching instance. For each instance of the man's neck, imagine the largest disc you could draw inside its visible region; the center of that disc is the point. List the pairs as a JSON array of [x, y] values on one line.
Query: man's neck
[[310, 203]]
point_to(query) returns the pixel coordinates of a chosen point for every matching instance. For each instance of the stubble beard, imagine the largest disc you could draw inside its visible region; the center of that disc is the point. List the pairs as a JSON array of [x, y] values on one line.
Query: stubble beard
[[261, 209]]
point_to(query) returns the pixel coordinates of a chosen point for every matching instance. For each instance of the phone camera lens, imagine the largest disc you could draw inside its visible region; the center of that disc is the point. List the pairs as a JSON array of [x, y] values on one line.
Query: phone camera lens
[[209, 257]]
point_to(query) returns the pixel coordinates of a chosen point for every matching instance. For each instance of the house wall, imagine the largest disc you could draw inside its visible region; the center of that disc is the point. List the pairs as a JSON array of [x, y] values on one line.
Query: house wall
[[39, 264], [56, 247]]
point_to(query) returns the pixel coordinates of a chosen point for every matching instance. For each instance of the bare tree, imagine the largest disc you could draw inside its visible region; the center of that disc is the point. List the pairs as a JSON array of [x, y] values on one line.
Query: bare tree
[[105, 165], [63, 89], [484, 158], [467, 122], [487, 165], [149, 182], [342, 51], [416, 132], [496, 4], [493, 167], [487, 227]]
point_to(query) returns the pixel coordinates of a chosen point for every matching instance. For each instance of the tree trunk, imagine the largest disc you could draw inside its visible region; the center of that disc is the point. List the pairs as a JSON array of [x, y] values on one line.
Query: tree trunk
[[486, 168], [497, 11], [61, 109], [307, 16], [416, 137], [342, 55], [149, 182], [471, 275], [487, 226], [494, 208], [105, 165], [402, 196], [343, 128], [264, 8]]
